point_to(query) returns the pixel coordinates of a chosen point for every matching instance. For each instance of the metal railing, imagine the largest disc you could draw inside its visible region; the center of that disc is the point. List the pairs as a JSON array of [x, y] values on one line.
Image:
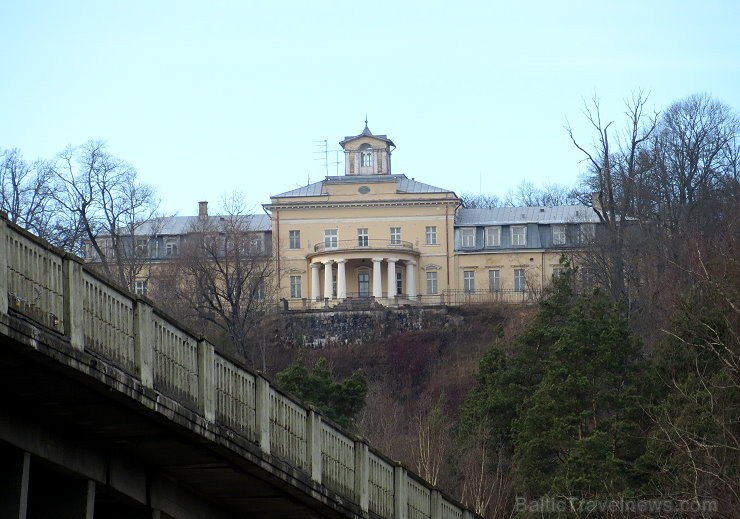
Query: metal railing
[[477, 297], [360, 244], [58, 292]]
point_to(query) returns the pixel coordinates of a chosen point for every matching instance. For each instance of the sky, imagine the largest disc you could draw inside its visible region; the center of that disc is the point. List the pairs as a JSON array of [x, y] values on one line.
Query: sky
[[211, 98]]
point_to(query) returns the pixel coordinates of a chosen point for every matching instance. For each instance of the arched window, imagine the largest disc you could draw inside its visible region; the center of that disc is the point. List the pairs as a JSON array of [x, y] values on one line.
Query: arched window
[[366, 155]]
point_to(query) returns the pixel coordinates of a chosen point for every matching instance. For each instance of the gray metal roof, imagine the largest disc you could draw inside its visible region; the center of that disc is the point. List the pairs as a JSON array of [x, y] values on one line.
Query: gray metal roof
[[176, 225], [515, 215], [405, 185], [315, 189], [366, 133]]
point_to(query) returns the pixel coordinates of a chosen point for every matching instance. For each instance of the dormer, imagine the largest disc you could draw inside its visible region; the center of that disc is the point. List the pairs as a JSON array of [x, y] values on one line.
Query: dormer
[[367, 154]]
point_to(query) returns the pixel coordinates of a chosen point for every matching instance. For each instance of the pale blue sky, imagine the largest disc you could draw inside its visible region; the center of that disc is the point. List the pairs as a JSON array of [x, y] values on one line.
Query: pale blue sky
[[211, 97]]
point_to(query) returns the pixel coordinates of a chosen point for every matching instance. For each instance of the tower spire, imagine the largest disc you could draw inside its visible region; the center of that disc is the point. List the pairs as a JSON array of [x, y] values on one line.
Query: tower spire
[[366, 131]]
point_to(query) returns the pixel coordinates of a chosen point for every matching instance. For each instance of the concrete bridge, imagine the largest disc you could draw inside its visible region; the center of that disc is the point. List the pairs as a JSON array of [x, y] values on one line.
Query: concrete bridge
[[110, 410]]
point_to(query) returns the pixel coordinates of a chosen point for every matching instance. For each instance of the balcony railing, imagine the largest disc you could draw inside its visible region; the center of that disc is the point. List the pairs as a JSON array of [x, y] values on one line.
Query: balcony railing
[[363, 244], [476, 297]]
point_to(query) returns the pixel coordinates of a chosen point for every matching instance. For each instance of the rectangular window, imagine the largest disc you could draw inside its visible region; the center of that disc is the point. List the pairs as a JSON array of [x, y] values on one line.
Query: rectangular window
[[331, 240], [259, 289], [588, 232], [493, 236], [557, 271], [141, 246], [295, 287], [494, 280], [399, 283], [431, 283], [170, 248], [558, 235], [363, 240], [431, 235], [140, 288], [294, 239], [518, 235], [395, 236], [520, 283], [469, 280], [467, 236], [256, 245]]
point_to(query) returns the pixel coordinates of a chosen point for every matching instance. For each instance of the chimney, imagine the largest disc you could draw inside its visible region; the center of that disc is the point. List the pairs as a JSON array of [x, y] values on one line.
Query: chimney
[[202, 211], [596, 201]]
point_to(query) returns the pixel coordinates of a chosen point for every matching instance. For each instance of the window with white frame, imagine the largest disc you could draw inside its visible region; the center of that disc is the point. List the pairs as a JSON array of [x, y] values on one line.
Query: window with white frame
[[140, 287], [431, 232], [431, 283], [366, 156], [295, 287], [493, 236], [467, 237], [520, 282], [363, 239], [331, 240], [294, 239], [518, 235], [494, 280], [469, 280], [395, 236], [259, 289], [142, 246], [170, 248], [559, 235], [557, 272], [587, 232], [256, 245]]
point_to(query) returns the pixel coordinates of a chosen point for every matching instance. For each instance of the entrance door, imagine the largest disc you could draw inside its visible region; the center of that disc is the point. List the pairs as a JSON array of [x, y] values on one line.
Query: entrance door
[[363, 283]]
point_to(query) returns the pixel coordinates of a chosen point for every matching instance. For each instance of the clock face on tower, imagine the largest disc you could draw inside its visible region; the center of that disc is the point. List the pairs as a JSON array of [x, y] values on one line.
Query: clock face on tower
[[363, 190]]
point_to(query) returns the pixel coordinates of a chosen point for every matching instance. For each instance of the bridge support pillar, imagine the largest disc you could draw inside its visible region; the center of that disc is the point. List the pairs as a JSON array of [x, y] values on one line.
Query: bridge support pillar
[[262, 412], [206, 380], [3, 266], [74, 314], [362, 475], [14, 482], [400, 491], [313, 445], [144, 342]]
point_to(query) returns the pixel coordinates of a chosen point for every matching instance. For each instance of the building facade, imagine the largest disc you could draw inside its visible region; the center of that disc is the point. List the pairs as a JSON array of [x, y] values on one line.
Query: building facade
[[374, 235]]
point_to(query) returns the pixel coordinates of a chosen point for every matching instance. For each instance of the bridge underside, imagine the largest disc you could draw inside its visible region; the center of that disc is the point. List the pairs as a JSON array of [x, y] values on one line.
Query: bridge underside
[[79, 438]]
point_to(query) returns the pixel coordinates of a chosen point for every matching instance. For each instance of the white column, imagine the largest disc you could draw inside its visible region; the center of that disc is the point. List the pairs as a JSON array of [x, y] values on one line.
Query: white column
[[328, 279], [377, 283], [391, 277], [411, 278], [341, 279], [315, 291]]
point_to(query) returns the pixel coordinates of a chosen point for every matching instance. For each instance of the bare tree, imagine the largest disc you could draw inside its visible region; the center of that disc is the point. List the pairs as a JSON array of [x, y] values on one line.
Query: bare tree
[[528, 195], [433, 440], [225, 277], [26, 194], [616, 173], [487, 484], [480, 201], [104, 205]]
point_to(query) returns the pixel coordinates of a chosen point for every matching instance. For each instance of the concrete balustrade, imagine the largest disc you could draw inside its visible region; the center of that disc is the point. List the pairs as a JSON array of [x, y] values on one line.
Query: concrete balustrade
[[130, 333]]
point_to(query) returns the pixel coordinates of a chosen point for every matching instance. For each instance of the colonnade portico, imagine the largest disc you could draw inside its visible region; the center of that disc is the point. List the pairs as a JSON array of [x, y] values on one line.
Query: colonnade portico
[[339, 286]]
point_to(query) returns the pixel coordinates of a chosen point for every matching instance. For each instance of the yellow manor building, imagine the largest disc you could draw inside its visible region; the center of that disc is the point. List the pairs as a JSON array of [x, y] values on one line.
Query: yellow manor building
[[374, 234]]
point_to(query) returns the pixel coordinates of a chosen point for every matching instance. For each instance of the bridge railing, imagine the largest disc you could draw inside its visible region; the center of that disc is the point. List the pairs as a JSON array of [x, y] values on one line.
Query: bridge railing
[[57, 291]]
